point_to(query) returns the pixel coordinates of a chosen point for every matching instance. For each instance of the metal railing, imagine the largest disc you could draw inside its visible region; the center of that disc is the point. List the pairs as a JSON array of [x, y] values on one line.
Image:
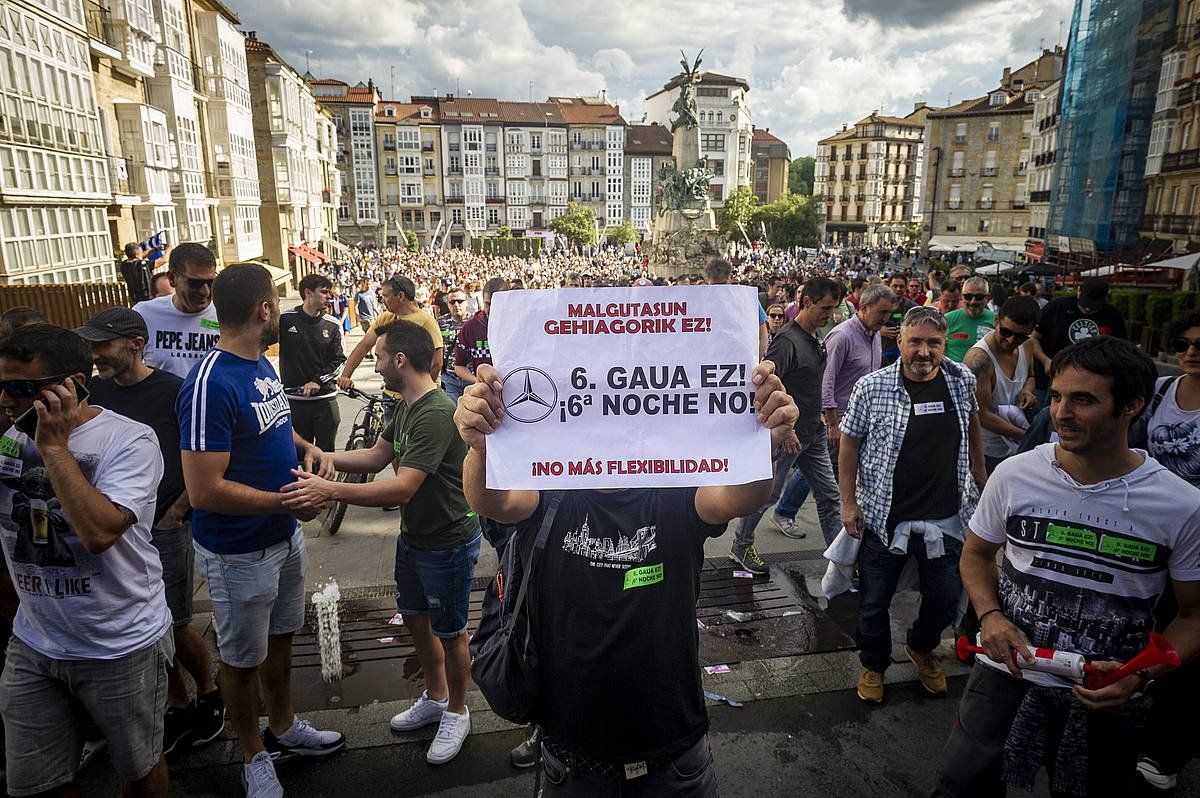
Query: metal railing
[[1180, 161]]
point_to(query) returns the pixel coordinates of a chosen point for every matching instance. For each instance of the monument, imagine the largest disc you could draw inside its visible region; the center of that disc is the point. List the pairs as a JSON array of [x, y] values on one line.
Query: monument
[[685, 233]]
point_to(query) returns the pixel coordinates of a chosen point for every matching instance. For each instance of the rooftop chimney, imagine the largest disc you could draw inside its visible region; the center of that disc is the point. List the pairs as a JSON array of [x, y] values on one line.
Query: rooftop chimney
[[918, 107], [1007, 77]]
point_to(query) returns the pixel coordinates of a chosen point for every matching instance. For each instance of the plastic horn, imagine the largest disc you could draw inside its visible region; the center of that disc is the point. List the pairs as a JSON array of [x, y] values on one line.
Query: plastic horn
[[1158, 651]]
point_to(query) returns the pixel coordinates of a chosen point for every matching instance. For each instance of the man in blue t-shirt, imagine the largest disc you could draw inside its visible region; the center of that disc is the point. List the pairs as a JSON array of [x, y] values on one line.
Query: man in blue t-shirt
[[238, 449]]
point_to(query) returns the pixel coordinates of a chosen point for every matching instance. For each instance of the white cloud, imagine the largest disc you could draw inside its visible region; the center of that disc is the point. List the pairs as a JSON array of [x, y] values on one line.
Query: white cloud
[[810, 66]]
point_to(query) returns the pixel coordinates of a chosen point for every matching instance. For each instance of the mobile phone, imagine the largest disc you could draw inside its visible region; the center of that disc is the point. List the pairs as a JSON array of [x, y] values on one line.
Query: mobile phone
[[27, 421]]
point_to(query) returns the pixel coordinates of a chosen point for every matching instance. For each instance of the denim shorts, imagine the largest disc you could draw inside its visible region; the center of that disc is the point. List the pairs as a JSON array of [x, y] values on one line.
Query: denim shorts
[[254, 595], [179, 564], [437, 584], [44, 702]]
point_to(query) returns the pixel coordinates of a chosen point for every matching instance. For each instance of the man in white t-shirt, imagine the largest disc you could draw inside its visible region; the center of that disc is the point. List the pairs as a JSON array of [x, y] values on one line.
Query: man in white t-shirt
[[183, 326], [93, 632], [1092, 530]]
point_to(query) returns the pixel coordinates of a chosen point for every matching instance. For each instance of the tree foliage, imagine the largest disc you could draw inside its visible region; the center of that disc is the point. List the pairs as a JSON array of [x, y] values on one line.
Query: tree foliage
[[411, 240], [577, 224], [800, 175], [623, 233], [739, 209], [504, 233], [790, 221]]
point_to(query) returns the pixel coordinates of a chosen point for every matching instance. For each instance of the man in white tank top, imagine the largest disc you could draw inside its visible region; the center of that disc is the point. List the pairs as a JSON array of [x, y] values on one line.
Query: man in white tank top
[[1004, 384]]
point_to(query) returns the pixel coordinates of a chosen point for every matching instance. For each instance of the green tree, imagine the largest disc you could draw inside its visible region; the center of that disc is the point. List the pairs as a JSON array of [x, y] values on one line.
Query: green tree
[[739, 210], [577, 224], [791, 221], [800, 175], [623, 233], [504, 233], [412, 241]]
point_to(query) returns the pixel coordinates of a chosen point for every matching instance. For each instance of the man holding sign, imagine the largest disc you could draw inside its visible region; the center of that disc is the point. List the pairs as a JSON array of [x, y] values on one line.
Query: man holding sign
[[613, 596]]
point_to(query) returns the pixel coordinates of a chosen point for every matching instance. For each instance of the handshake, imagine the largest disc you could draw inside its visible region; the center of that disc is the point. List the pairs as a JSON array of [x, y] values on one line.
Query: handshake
[[306, 497]]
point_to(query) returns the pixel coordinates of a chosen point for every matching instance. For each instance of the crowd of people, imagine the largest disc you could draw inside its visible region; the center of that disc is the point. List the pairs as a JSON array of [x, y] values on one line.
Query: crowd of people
[[934, 419]]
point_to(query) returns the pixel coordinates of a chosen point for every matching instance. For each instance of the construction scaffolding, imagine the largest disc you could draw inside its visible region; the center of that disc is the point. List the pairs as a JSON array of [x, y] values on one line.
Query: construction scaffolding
[[1114, 56]]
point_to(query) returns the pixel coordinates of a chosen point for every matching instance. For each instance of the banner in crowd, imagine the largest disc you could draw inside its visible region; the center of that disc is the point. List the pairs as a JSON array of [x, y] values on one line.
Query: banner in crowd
[[626, 387]]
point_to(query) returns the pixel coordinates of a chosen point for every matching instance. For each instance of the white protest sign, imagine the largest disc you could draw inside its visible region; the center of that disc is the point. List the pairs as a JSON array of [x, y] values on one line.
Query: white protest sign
[[626, 387]]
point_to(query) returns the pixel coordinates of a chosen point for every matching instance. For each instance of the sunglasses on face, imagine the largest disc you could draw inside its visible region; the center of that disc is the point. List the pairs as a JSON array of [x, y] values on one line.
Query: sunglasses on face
[[27, 389], [977, 297], [456, 301], [1004, 332], [775, 315], [195, 282], [1181, 345]]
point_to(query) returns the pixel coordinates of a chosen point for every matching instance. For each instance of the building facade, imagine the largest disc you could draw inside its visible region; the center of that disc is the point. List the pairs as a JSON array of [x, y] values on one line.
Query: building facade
[[1044, 149], [1114, 56], [726, 128], [977, 156], [536, 167], [771, 160], [54, 180], [353, 109], [1172, 216], [647, 150], [295, 145], [869, 179]]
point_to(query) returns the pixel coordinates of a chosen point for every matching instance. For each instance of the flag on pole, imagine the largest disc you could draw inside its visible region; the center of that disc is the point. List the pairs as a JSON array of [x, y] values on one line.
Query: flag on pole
[[155, 244]]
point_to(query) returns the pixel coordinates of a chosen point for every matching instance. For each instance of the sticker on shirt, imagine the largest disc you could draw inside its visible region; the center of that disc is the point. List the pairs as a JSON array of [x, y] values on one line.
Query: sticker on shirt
[[929, 408], [1091, 546], [646, 575], [608, 553], [1081, 329], [10, 467]]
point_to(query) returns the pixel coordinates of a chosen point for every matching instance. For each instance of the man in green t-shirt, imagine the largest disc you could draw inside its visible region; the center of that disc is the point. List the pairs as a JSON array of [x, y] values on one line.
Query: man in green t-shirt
[[439, 533], [971, 323]]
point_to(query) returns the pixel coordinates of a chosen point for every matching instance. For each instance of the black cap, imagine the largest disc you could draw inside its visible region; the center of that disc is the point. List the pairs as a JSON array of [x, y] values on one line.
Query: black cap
[[113, 323]]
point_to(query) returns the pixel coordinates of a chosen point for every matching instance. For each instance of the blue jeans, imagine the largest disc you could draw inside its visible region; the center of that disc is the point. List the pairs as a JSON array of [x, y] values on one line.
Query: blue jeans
[[437, 584], [816, 470], [453, 386], [794, 496], [878, 572]]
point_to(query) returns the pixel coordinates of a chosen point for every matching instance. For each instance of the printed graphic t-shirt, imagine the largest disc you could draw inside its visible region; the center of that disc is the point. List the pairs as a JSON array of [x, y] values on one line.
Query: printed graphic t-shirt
[[74, 604], [230, 404], [964, 332], [1084, 565], [177, 340], [424, 437], [614, 611], [1174, 435]]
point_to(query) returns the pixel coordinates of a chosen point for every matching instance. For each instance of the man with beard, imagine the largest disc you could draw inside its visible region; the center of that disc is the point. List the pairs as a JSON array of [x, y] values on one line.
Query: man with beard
[[239, 449], [911, 462], [126, 385], [971, 323], [1092, 531], [439, 534], [93, 632], [182, 326]]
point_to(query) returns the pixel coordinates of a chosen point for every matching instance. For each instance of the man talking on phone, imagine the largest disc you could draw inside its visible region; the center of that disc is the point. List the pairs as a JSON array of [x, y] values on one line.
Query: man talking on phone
[[77, 496]]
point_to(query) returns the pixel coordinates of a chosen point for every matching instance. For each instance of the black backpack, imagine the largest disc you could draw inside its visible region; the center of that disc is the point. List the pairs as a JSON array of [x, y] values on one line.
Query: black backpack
[[504, 661]]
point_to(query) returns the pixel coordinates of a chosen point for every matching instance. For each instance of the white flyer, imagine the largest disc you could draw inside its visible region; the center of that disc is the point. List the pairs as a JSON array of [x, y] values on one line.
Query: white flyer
[[626, 387]]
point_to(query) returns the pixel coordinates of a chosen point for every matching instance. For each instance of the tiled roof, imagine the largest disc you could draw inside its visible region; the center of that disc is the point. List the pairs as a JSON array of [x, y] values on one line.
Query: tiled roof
[[361, 95], [329, 82], [836, 137], [980, 106], [648, 140], [471, 110], [588, 111], [761, 134], [401, 112], [530, 114]]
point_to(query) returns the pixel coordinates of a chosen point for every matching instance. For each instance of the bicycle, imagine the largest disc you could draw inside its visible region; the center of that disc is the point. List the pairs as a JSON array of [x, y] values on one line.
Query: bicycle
[[368, 425]]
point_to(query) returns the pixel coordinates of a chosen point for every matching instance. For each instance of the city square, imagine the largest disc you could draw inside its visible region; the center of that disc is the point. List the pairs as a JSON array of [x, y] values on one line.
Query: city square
[[519, 399]]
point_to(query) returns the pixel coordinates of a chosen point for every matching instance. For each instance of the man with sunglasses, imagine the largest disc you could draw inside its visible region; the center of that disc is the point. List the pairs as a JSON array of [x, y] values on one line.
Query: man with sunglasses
[[93, 631], [451, 324], [971, 323], [1004, 379], [183, 326]]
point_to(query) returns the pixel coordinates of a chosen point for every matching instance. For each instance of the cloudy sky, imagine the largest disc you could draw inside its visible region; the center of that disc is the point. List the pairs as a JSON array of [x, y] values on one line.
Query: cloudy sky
[[811, 64]]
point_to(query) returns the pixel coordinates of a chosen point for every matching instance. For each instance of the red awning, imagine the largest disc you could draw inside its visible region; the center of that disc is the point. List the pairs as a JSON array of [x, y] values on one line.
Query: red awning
[[306, 253], [318, 254], [1035, 251]]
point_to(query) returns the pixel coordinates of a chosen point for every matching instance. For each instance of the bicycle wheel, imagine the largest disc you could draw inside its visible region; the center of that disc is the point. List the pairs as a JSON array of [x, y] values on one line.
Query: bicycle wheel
[[331, 517]]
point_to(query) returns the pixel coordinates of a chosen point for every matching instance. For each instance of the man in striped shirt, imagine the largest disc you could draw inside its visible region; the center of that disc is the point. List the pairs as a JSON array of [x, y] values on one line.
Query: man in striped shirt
[[238, 450]]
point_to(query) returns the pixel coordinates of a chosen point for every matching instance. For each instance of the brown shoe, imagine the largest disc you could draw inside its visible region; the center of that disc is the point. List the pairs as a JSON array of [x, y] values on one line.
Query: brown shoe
[[870, 686], [929, 668]]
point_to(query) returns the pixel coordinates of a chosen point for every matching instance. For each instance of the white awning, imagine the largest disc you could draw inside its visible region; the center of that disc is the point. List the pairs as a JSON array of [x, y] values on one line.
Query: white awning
[[972, 243], [1183, 262]]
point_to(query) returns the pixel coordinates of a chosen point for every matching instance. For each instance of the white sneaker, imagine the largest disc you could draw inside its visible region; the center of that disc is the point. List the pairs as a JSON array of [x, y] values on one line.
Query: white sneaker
[[424, 712], [787, 526], [451, 734], [1155, 776], [259, 778]]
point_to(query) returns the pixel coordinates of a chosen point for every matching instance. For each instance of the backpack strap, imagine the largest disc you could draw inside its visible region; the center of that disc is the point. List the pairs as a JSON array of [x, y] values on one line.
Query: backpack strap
[[554, 499], [1164, 385]]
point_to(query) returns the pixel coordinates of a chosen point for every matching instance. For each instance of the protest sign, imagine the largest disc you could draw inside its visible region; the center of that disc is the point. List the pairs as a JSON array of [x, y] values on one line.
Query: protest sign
[[626, 387]]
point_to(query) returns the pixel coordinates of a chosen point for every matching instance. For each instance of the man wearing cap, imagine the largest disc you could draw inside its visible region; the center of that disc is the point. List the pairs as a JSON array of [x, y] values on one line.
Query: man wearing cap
[[128, 387]]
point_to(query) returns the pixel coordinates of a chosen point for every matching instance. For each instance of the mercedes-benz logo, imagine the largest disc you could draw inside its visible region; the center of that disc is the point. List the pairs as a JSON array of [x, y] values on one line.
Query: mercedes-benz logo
[[529, 394]]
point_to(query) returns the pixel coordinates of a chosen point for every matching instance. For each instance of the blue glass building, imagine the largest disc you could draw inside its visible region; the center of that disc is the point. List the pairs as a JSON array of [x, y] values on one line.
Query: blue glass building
[[1108, 92]]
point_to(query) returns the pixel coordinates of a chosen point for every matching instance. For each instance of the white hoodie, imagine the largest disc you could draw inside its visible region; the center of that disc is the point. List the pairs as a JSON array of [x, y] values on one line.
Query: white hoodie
[[1084, 565]]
